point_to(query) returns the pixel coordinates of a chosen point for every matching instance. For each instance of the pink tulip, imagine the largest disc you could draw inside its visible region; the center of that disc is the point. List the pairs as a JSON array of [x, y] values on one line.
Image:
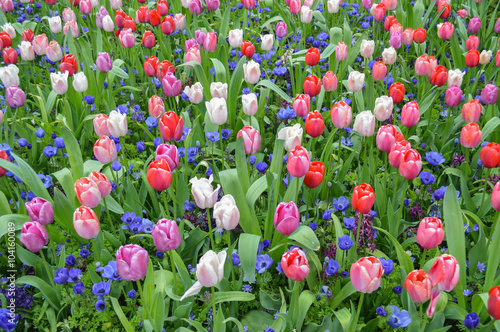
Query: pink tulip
[[464, 14], [410, 164], [298, 162], [15, 96], [341, 115], [445, 31], [445, 273], [472, 43], [86, 223], [193, 54], [68, 14], [295, 6], [453, 96], [281, 29], [430, 233], [423, 66], [190, 43], [102, 183], [169, 153], [132, 262], [251, 139], [85, 6], [474, 25], [156, 107], [397, 151], [210, 42], [127, 38], [341, 52], [301, 105], [105, 150], [73, 26], [295, 265], [249, 4], [471, 135], [366, 274], [495, 197], [195, 7], [104, 63], [419, 285], [101, 125], [34, 236], [489, 94], [390, 4], [87, 192], [40, 43], [171, 85], [407, 36], [471, 111], [40, 210], [330, 81], [386, 138], [410, 114], [166, 235], [396, 40], [286, 218], [200, 36]]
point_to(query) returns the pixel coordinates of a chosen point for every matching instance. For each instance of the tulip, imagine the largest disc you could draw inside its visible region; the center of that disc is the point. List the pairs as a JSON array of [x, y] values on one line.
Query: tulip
[[102, 183], [171, 85], [314, 125], [210, 42], [396, 41], [162, 7], [397, 151], [494, 302], [472, 43], [40, 210], [298, 162], [40, 43], [166, 235], [156, 107], [379, 71], [474, 25], [389, 55], [312, 56], [203, 193], [68, 64], [249, 4], [447, 9], [148, 40], [200, 36], [120, 19], [217, 110], [73, 26], [430, 233], [453, 96], [410, 164], [355, 81], [445, 30], [167, 25], [497, 59], [396, 27], [195, 93], [250, 104], [386, 138], [193, 54], [27, 51], [366, 274], [490, 155], [105, 150], [101, 125], [235, 38], [226, 213], [439, 76], [54, 52], [128, 23], [292, 136], [190, 43], [489, 94], [251, 72], [471, 111], [150, 66], [367, 48], [306, 14], [312, 85], [455, 77], [379, 12], [159, 175], [419, 285], [341, 52], [127, 38], [330, 81], [15, 96], [218, 90], [389, 21], [142, 15], [383, 108], [281, 29], [364, 124], [155, 18], [315, 175], [132, 262], [423, 66], [34, 236], [390, 4], [464, 13], [59, 82], [87, 192], [495, 197], [341, 115], [9, 75], [472, 58], [9, 56], [169, 153], [86, 223], [163, 69], [267, 42], [407, 36], [367, 4], [419, 35], [301, 105], [333, 6], [4, 156], [171, 126], [445, 273], [55, 24], [397, 92], [410, 114], [117, 124], [295, 265], [80, 83], [363, 198], [295, 6], [251, 139]]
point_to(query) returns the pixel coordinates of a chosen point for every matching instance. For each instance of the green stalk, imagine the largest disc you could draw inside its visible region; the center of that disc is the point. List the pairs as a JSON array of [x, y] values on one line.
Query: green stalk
[[143, 302], [211, 234], [166, 204], [213, 305], [172, 263]]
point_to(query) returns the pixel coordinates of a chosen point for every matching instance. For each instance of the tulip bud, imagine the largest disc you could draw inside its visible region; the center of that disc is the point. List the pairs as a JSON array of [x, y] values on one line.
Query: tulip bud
[[314, 125], [102, 183], [105, 150], [419, 285], [386, 138], [495, 197], [59, 82], [34, 236], [15, 96], [40, 210], [419, 35], [281, 29], [169, 153], [330, 81], [389, 55], [210, 269], [251, 139], [430, 233], [132, 262], [453, 96], [379, 71], [267, 42], [341, 52], [397, 92], [80, 83], [490, 155], [489, 94], [171, 126], [195, 93], [87, 192], [101, 125], [291, 135], [9, 75], [410, 114], [171, 85], [9, 56], [474, 25], [407, 36], [27, 51], [410, 164], [366, 274], [363, 198], [298, 162], [117, 124], [315, 175], [312, 56], [295, 265], [203, 193], [226, 213], [250, 104], [86, 223], [383, 108], [235, 37], [217, 110], [218, 90], [364, 124], [55, 24], [494, 302], [166, 235], [341, 115], [159, 175], [251, 72], [367, 48], [355, 81]]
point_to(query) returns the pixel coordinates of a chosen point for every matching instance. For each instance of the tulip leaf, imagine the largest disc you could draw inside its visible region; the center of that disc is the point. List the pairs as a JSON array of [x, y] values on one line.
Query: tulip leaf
[[197, 325], [404, 259], [67, 183], [234, 89], [242, 166], [489, 127], [344, 293], [236, 322], [27, 257], [494, 255], [15, 221], [121, 316], [306, 238], [220, 70], [455, 236], [275, 88], [247, 250], [44, 287], [117, 70]]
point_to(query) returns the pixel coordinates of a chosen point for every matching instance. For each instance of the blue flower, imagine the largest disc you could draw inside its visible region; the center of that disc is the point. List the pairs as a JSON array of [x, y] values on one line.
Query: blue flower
[[78, 287], [349, 223], [132, 294], [100, 305], [427, 178], [332, 267], [387, 265], [61, 276], [327, 215], [313, 225], [471, 320], [434, 158], [22, 142], [84, 253], [261, 167], [46, 179], [147, 226], [236, 259], [263, 263], [152, 122], [398, 318], [247, 288], [128, 217], [110, 271], [74, 275], [102, 288], [189, 206], [345, 242], [252, 160], [226, 133], [40, 133], [398, 289], [8, 321], [381, 312], [140, 146], [70, 260], [340, 204], [439, 193], [213, 136], [481, 267], [50, 151], [467, 292], [116, 166]]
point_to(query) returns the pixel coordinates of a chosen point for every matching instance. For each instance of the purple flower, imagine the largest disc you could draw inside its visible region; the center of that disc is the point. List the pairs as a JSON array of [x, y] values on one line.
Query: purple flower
[[263, 263], [332, 267]]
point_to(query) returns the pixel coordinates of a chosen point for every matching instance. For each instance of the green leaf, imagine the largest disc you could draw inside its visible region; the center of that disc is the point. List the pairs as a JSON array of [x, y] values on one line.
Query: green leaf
[[275, 88], [121, 316], [26, 256], [494, 255], [344, 317], [236, 322], [455, 236], [306, 237], [220, 70], [404, 259], [45, 289], [234, 90], [116, 70], [489, 127], [344, 293], [12, 222], [241, 165], [247, 250], [233, 296], [74, 153]]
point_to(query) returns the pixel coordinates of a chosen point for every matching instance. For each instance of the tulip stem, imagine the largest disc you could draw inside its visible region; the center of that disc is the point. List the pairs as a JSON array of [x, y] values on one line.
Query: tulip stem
[[422, 259], [115, 177], [210, 233], [166, 204], [172, 263], [484, 188], [221, 147], [396, 176], [47, 268], [230, 252], [109, 215], [360, 219], [398, 221], [139, 287], [213, 305], [360, 304]]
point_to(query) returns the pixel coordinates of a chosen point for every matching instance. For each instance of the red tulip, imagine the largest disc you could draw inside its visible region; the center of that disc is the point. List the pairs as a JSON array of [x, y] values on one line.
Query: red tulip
[[148, 40], [471, 135], [419, 35], [397, 92], [315, 125], [129, 23], [5, 38], [419, 285], [167, 25], [150, 66], [154, 17], [163, 68], [312, 85], [142, 14], [379, 70], [247, 49], [159, 175], [430, 233], [445, 273], [315, 175], [380, 11], [162, 7], [4, 156], [298, 162], [312, 56], [120, 19], [389, 21], [490, 155], [171, 126], [9, 56], [410, 164], [439, 76], [28, 35], [472, 58], [494, 302], [363, 198], [295, 265], [68, 63], [447, 9]]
